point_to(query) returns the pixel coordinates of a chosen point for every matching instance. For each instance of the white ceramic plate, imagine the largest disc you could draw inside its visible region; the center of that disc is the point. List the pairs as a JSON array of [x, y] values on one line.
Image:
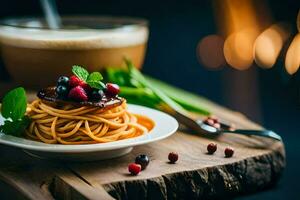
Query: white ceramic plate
[[165, 125]]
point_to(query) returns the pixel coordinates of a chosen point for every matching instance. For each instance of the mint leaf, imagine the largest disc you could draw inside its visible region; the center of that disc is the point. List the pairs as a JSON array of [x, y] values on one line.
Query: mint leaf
[[94, 80], [13, 109], [14, 104], [80, 72], [95, 76], [97, 85], [15, 128]]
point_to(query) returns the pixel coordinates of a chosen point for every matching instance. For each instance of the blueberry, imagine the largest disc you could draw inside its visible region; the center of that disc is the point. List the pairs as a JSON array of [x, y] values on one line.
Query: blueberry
[[63, 80], [97, 95], [142, 160], [62, 91]]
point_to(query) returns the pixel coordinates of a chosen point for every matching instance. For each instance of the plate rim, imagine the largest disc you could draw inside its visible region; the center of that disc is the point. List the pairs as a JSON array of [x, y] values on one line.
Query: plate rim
[[85, 148]]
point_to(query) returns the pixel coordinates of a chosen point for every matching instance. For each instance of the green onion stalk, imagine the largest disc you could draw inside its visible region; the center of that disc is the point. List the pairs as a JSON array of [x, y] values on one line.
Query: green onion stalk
[[144, 90]]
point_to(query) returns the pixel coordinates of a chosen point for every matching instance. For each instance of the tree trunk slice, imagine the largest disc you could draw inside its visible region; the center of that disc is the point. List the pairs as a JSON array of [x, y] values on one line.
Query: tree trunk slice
[[256, 164]]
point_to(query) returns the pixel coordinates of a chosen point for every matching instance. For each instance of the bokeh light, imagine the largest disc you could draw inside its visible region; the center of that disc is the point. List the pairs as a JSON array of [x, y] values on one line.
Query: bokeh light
[[269, 43], [292, 59], [210, 52], [240, 22], [246, 34], [238, 49]]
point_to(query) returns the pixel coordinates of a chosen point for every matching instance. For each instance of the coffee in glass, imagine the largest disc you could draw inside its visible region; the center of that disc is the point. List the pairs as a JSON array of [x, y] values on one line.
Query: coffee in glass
[[35, 55]]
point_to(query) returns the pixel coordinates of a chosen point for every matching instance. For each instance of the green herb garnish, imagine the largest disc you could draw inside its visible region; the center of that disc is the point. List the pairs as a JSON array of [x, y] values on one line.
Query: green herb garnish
[[13, 110], [16, 127], [80, 72], [14, 104], [94, 79]]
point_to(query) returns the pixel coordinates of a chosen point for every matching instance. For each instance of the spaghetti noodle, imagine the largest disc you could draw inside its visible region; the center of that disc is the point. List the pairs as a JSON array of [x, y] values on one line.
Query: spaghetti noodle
[[70, 124]]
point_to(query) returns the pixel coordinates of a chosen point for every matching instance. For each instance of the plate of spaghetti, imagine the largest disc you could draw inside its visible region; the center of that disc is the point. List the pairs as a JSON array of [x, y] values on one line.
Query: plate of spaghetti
[[80, 119]]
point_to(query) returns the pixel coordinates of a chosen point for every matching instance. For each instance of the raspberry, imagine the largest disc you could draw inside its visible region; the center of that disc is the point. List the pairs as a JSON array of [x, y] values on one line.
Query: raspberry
[[78, 93], [134, 169], [173, 157], [75, 81]]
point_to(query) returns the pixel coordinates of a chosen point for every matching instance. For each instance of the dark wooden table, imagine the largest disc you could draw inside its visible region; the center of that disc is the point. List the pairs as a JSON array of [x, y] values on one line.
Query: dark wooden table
[[256, 164]]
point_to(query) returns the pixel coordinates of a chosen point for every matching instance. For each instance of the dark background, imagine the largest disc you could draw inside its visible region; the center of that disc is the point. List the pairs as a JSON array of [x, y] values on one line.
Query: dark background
[[269, 97]]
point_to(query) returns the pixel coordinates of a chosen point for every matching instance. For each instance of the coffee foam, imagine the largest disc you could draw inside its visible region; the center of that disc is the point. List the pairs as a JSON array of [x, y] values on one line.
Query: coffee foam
[[73, 39]]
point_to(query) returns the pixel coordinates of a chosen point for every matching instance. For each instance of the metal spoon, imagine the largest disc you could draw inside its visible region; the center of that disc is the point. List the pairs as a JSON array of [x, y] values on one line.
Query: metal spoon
[[199, 125], [226, 129], [183, 117]]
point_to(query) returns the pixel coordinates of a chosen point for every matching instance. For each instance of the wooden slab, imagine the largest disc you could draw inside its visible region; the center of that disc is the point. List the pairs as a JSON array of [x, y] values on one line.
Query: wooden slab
[[256, 164]]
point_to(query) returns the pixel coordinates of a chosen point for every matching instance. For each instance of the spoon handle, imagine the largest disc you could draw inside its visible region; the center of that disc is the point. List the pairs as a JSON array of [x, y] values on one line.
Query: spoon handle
[[262, 133]]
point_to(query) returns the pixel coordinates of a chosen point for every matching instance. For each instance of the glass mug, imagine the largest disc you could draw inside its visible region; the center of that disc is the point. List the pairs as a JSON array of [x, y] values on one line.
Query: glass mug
[[35, 56]]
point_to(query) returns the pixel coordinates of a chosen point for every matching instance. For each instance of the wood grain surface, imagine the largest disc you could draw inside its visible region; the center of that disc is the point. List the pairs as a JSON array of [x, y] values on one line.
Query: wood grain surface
[[256, 165]]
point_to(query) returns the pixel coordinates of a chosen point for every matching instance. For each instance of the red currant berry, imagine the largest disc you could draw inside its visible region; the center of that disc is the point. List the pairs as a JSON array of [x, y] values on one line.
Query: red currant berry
[[214, 118], [217, 125], [211, 148], [112, 89], [173, 157], [232, 127], [229, 152], [210, 122], [134, 168]]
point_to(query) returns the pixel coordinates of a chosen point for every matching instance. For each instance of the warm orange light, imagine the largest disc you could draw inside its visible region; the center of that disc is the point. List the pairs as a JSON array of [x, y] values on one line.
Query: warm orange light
[[238, 49], [210, 52], [240, 22], [292, 59], [269, 43]]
